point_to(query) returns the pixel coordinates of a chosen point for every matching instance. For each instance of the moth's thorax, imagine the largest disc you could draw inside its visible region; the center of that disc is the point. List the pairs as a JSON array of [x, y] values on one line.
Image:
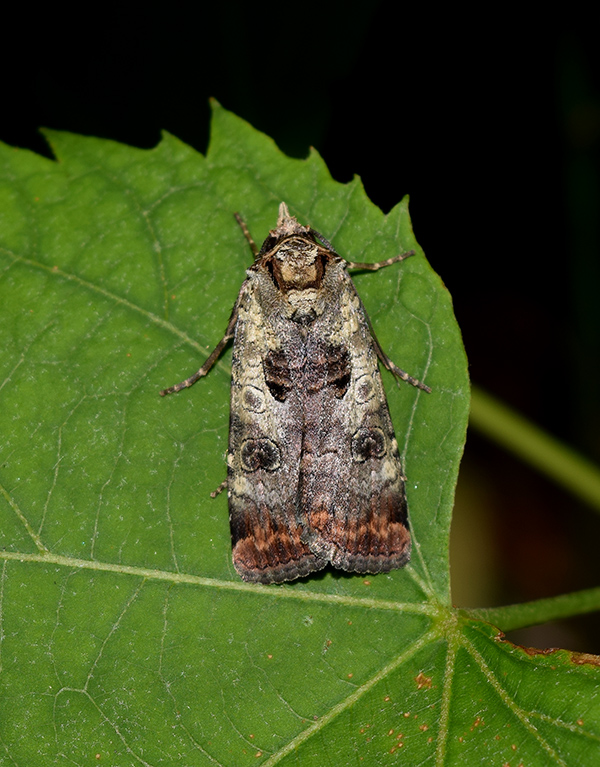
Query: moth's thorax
[[304, 305]]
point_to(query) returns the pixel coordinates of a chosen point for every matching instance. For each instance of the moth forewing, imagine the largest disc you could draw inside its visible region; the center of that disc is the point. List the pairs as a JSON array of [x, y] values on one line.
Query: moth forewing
[[314, 474]]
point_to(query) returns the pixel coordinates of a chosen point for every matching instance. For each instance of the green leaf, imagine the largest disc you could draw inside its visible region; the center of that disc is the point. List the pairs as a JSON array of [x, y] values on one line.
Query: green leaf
[[127, 637]]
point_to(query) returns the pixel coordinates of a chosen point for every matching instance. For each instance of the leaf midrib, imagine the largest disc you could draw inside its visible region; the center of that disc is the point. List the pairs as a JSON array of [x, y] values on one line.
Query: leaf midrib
[[285, 592]]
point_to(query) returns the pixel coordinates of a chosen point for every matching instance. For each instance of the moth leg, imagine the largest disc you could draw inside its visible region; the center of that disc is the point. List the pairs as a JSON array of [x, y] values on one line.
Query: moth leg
[[216, 353], [391, 366], [247, 235], [396, 371], [380, 264], [219, 489], [203, 370], [387, 362]]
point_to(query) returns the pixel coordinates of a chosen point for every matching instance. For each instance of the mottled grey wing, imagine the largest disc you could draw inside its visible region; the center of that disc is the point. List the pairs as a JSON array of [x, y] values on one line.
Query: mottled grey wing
[[352, 498], [265, 442]]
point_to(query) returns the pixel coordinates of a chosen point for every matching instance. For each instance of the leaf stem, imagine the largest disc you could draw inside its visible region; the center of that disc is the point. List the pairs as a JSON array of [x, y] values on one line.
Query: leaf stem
[[519, 616], [560, 463]]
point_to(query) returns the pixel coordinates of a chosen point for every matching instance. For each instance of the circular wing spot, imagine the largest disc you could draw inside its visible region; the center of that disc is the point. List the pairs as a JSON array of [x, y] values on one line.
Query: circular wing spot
[[365, 388], [368, 443], [253, 399], [260, 454]]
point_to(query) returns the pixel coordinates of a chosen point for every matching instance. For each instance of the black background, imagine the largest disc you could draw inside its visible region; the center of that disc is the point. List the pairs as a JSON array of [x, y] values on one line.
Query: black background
[[491, 123]]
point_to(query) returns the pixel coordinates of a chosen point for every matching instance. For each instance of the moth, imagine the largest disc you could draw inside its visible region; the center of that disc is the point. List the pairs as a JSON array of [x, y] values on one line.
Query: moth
[[314, 474]]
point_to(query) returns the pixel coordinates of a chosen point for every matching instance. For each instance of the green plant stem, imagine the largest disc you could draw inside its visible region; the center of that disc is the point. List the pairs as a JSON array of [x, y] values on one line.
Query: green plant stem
[[519, 616], [559, 462]]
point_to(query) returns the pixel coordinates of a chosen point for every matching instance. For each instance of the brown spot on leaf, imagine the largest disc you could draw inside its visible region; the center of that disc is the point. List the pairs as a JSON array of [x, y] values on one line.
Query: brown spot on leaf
[[423, 681], [579, 658], [582, 658]]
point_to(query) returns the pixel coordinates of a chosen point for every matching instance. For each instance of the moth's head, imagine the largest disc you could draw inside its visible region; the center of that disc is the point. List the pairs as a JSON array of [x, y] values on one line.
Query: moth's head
[[295, 255], [287, 226], [296, 263]]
